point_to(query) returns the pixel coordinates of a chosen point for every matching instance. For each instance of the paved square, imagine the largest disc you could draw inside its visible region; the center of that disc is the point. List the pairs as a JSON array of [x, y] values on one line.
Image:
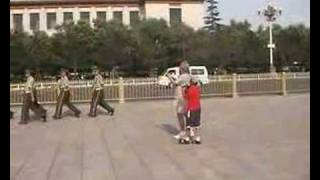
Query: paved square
[[249, 138]]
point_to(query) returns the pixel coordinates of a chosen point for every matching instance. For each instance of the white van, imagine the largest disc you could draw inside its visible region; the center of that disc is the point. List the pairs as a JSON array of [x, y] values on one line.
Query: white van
[[200, 72]]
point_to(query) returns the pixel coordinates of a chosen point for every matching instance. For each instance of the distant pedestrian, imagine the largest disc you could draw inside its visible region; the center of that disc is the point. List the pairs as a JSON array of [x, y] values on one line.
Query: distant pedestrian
[[98, 95], [64, 96]]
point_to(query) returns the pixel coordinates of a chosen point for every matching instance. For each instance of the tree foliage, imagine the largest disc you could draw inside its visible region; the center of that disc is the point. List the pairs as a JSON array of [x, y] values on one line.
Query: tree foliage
[[153, 44], [212, 19]]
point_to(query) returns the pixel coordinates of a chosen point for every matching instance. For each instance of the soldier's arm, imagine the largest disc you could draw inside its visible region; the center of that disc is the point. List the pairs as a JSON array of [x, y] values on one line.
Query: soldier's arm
[[100, 81], [31, 86]]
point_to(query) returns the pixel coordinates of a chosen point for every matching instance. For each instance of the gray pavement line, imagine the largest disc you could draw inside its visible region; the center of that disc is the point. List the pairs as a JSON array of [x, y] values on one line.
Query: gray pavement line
[[20, 168], [142, 162], [176, 164], [104, 141], [55, 155], [233, 158], [82, 151], [27, 159]]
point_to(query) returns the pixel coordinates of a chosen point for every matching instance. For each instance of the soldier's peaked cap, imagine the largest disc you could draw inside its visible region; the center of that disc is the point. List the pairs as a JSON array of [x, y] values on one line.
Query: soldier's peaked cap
[[28, 71], [63, 70], [94, 68]]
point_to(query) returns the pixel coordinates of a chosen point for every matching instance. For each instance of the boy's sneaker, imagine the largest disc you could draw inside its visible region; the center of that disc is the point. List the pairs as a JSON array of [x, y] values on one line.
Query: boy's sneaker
[[197, 140], [178, 136], [184, 140]]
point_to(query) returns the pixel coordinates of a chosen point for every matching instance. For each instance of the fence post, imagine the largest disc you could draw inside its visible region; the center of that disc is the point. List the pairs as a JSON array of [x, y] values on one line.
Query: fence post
[[234, 85], [284, 84], [121, 90]]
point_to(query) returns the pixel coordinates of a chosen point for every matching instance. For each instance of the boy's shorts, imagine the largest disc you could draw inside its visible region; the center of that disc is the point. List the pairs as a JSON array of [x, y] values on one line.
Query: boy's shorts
[[193, 118]]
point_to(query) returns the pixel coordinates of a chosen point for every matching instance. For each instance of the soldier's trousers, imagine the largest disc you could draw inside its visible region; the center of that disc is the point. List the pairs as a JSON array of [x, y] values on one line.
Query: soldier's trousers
[[64, 99], [98, 99], [33, 105]]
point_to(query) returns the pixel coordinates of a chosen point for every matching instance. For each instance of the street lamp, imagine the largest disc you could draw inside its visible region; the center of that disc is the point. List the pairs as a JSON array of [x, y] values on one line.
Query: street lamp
[[270, 13]]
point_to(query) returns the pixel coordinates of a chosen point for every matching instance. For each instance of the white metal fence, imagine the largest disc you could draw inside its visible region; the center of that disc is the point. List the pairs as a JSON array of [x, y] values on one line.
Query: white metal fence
[[148, 88]]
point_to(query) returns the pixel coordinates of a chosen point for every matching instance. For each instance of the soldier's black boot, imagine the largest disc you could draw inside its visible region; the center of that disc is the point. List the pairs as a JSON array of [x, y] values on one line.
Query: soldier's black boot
[[56, 117], [77, 114], [11, 114], [23, 122], [44, 118], [92, 115], [111, 112]]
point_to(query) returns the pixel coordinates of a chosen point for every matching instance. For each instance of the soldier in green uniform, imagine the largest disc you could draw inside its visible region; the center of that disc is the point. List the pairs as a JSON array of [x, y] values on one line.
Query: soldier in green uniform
[[98, 95], [30, 100], [64, 96]]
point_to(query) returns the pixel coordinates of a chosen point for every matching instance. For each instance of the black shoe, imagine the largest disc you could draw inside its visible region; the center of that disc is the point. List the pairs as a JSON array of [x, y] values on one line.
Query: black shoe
[[11, 114], [56, 118], [196, 142], [111, 112], [23, 122], [78, 114], [184, 141], [44, 118], [91, 115]]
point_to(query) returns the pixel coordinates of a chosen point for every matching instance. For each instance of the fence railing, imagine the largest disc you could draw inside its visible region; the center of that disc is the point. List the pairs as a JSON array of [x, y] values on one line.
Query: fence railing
[[148, 88]]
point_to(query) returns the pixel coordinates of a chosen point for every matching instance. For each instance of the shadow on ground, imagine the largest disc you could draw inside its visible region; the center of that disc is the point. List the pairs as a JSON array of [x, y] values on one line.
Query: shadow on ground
[[169, 128]]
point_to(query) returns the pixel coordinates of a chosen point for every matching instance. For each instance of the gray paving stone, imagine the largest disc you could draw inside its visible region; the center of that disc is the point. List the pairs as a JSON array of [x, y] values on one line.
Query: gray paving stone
[[248, 138]]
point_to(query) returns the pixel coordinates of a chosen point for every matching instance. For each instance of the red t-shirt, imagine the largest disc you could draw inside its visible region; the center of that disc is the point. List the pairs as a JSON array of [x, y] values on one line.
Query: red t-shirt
[[192, 96]]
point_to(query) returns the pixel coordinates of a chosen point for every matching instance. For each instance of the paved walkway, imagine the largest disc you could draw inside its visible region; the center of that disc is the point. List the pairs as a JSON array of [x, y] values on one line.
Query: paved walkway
[[249, 138]]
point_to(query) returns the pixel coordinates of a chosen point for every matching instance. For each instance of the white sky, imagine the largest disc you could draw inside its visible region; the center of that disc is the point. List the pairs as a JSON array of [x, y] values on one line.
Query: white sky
[[293, 11]]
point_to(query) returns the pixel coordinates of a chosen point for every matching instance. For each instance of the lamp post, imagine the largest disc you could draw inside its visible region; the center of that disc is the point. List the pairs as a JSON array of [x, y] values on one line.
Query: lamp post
[[270, 13]]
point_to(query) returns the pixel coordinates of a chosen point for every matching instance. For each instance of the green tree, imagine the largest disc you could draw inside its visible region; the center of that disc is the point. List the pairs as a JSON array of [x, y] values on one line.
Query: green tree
[[74, 45], [212, 19]]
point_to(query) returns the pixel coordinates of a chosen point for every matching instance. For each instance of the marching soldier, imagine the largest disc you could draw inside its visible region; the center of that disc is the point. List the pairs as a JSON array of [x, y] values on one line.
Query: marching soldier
[[30, 101], [98, 95], [64, 96]]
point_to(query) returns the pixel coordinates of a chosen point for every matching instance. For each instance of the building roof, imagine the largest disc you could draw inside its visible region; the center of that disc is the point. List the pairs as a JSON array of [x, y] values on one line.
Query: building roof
[[67, 2]]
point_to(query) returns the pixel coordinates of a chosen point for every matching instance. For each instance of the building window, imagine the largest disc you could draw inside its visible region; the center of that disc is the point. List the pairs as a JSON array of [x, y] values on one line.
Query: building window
[[51, 20], [134, 17], [175, 15], [85, 17], [117, 16], [67, 17], [17, 22], [34, 21], [101, 16]]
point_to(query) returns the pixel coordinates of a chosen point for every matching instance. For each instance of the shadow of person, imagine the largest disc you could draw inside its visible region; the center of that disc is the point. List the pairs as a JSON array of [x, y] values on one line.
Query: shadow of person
[[169, 128]]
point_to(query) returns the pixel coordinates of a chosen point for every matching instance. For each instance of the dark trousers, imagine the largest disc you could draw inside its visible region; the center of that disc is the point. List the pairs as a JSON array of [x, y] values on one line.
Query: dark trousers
[[193, 120], [98, 99], [64, 99], [33, 105]]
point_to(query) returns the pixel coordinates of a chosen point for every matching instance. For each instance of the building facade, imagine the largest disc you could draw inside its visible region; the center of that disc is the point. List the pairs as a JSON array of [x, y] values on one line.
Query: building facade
[[45, 15]]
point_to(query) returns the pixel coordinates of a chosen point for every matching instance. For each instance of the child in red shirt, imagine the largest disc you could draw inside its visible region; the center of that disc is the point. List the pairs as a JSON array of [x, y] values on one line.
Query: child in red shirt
[[193, 111]]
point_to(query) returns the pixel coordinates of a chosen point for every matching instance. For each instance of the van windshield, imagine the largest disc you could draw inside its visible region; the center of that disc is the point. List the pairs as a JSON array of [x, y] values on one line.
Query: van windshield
[[169, 72], [197, 71]]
